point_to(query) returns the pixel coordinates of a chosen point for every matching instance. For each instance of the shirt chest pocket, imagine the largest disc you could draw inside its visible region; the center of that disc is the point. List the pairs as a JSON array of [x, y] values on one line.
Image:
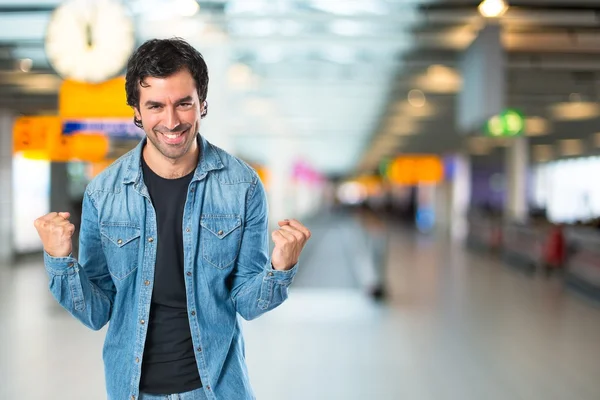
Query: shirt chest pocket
[[121, 242], [220, 239]]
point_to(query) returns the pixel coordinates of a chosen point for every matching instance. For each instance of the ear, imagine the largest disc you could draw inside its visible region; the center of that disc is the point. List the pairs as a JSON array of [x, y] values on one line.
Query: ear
[[204, 109], [137, 118]]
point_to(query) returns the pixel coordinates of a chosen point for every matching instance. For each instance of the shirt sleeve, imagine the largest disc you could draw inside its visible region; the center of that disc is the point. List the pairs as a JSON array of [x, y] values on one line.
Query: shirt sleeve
[[257, 287], [84, 287]]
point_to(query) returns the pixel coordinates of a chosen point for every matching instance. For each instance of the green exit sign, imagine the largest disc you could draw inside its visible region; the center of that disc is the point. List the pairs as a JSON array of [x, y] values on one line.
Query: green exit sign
[[509, 123]]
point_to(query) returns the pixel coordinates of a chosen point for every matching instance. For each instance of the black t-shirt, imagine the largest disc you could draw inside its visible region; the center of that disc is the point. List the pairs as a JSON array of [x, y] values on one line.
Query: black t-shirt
[[169, 364]]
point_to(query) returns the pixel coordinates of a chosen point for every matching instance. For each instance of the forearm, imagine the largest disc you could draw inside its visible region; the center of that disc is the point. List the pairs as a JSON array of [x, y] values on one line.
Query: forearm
[[80, 296]]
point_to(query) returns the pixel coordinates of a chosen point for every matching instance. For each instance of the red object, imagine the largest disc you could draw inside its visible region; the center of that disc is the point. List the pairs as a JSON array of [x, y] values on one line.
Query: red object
[[496, 237], [554, 248]]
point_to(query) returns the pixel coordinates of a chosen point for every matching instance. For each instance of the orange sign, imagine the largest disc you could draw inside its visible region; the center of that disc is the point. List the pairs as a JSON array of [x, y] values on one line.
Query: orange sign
[[89, 147], [86, 100], [40, 138], [412, 170], [33, 133]]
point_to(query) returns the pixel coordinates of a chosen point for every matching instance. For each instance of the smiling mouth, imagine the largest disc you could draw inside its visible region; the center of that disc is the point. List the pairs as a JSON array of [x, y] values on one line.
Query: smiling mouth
[[174, 137]]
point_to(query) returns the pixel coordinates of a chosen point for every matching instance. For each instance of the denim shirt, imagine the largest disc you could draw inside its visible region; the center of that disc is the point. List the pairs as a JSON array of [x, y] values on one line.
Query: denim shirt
[[226, 261]]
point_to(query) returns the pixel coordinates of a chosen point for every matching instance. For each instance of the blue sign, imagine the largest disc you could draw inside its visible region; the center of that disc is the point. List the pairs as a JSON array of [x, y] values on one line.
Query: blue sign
[[115, 129]]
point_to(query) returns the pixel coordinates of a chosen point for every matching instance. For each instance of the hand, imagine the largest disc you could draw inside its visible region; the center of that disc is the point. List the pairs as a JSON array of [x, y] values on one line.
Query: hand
[[56, 233], [289, 242]]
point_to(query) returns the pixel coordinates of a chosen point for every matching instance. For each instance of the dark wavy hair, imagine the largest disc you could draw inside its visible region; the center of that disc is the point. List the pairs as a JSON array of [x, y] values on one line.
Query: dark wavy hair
[[160, 58]]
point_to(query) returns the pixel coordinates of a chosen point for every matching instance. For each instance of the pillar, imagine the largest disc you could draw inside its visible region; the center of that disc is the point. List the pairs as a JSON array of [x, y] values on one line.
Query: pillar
[[6, 196], [453, 198], [517, 162]]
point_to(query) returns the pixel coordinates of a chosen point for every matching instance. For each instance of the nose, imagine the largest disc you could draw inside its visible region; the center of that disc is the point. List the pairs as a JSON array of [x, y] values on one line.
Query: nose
[[172, 119]]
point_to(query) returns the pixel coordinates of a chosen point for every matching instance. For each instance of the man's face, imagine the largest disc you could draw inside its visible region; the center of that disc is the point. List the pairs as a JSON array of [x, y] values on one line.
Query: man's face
[[170, 113]]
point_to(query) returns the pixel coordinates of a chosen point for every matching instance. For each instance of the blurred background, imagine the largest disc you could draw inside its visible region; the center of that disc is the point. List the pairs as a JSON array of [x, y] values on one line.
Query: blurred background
[[444, 153]]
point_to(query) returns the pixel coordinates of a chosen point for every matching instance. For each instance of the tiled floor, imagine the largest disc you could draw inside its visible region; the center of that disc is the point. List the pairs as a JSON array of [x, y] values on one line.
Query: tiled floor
[[457, 326]]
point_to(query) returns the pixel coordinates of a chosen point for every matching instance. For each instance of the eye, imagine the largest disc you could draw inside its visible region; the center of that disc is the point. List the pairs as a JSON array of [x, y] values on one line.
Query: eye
[[185, 104], [153, 107]]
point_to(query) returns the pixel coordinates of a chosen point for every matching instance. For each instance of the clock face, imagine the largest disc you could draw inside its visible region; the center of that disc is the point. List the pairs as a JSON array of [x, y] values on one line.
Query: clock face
[[89, 40]]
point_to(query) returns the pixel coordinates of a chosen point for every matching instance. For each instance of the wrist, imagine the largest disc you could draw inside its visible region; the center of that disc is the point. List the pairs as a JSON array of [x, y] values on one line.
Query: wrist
[[57, 254], [280, 267]]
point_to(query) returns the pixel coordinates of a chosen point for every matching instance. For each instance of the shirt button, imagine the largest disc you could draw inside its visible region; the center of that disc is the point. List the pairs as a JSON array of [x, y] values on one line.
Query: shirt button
[[199, 349], [189, 273], [146, 283], [193, 312], [270, 274], [151, 240], [132, 397], [208, 387], [142, 322], [120, 241], [137, 360], [71, 264], [220, 233], [188, 230]]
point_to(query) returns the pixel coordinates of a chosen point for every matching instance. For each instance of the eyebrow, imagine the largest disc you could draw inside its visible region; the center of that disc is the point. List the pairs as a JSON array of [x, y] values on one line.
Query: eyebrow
[[185, 99]]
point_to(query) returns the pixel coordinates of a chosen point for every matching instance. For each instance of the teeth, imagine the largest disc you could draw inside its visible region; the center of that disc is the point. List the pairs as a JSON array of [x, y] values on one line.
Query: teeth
[[173, 136]]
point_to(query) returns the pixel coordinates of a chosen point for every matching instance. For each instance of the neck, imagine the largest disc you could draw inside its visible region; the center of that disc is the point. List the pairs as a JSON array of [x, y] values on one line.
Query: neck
[[169, 168]]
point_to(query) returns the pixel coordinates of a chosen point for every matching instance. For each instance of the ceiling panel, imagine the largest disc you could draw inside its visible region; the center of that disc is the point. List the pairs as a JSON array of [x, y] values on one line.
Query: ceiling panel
[[326, 75]]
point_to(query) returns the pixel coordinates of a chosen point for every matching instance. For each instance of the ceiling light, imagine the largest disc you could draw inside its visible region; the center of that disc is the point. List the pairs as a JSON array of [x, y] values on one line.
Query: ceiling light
[[187, 8], [41, 83], [440, 79], [576, 110], [386, 140], [401, 127], [438, 69], [381, 149], [493, 8], [399, 119], [416, 98], [25, 64], [571, 147], [536, 126], [256, 7], [405, 108], [344, 7]]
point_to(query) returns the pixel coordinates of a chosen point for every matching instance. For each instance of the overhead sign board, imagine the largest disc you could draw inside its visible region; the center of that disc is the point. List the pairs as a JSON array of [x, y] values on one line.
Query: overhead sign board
[[509, 123], [112, 128], [85, 100]]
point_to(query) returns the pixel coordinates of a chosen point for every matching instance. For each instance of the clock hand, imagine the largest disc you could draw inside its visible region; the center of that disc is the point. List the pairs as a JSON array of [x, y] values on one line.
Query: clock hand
[[92, 22], [89, 35]]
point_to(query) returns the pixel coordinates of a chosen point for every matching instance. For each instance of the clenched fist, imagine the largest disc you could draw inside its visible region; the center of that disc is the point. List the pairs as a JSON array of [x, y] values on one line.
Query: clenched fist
[[289, 242], [56, 233]]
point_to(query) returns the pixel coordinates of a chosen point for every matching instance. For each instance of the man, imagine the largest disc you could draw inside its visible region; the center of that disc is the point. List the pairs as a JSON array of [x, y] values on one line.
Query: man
[[173, 245]]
